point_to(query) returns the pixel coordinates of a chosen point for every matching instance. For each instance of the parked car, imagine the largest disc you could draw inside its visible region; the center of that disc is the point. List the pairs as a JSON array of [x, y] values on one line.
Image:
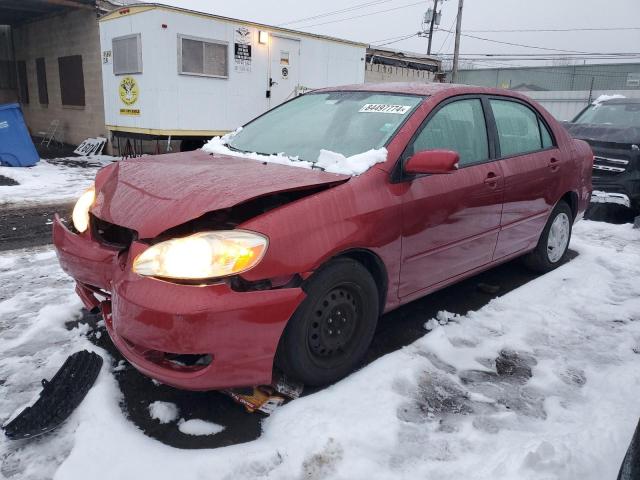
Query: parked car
[[212, 268], [612, 128]]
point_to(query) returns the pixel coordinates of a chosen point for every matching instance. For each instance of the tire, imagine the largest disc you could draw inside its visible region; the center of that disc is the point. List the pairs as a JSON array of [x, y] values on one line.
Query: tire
[[553, 244], [313, 350]]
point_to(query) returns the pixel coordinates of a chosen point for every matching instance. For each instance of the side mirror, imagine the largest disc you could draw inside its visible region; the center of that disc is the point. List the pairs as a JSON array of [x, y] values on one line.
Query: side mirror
[[432, 161]]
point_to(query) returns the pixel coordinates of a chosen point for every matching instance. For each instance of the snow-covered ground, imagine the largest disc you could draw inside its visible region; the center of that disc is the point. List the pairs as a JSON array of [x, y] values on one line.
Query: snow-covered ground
[[561, 401], [51, 181]]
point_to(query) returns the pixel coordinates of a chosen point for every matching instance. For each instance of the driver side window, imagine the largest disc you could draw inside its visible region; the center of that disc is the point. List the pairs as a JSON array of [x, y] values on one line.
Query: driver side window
[[457, 126]]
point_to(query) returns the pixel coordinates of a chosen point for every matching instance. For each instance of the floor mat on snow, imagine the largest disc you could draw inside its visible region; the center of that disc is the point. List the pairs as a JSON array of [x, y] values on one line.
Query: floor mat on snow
[[59, 397]]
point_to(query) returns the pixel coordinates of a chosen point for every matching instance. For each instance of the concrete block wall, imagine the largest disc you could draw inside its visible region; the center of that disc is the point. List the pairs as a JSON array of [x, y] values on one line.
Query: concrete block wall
[[72, 33]]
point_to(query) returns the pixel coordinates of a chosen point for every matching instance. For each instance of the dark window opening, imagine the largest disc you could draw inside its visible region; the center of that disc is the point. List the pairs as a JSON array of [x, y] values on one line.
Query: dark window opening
[[23, 84], [71, 80], [41, 74], [7, 75]]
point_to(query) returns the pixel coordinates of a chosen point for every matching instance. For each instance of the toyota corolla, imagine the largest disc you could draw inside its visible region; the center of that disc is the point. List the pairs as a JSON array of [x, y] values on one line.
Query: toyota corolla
[[280, 245]]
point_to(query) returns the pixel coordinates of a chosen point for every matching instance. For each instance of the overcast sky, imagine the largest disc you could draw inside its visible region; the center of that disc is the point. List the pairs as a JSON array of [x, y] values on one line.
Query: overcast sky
[[478, 15]]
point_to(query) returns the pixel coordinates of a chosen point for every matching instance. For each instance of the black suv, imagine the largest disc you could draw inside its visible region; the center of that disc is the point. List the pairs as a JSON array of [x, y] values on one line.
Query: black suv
[[612, 128]]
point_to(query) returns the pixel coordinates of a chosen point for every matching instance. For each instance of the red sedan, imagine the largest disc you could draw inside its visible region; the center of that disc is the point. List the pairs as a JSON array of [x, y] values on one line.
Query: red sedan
[[282, 248]]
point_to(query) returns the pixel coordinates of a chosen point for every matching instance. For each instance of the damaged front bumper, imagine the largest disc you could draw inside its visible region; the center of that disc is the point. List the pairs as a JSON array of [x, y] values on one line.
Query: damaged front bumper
[[156, 324]]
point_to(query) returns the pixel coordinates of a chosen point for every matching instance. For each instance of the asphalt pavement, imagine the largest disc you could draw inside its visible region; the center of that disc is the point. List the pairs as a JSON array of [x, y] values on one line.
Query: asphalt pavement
[[28, 226]]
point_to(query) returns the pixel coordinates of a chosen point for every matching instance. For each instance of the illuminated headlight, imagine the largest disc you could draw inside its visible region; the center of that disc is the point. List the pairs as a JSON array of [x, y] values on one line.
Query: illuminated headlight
[[203, 255], [80, 214]]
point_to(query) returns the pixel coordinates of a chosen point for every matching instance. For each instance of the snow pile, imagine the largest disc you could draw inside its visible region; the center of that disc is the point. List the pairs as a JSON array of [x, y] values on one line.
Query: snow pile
[[442, 318], [51, 181], [541, 383], [164, 412], [195, 426], [327, 160], [354, 165], [604, 98]]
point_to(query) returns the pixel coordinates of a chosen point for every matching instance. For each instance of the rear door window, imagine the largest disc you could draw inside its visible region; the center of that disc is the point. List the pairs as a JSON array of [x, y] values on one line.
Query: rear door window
[[457, 126], [518, 128]]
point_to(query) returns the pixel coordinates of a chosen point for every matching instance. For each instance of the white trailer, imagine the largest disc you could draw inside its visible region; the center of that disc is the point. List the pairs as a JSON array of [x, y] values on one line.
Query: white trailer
[[168, 72]]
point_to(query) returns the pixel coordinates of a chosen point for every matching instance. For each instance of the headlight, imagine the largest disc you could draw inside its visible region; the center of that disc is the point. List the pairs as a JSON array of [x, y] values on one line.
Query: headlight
[[203, 255], [81, 210]]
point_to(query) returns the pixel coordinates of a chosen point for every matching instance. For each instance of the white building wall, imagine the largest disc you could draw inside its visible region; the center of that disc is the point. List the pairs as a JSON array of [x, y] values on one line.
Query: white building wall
[[169, 101]]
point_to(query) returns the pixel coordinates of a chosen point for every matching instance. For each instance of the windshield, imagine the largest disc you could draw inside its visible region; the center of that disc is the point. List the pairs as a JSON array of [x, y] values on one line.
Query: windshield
[[348, 123], [615, 115]]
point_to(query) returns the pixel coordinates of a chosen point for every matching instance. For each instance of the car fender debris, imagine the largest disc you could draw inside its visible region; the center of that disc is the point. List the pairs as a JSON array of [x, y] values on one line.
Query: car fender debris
[[59, 397], [266, 398]]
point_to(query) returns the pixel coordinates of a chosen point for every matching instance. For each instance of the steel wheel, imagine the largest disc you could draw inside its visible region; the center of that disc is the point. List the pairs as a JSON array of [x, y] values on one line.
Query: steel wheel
[[336, 319], [553, 243], [328, 335], [558, 238]]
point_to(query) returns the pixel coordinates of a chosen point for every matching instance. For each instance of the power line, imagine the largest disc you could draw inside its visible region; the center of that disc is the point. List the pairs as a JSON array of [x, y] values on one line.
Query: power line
[[552, 55], [390, 38], [448, 35], [520, 44], [363, 15], [336, 12], [394, 41], [529, 30]]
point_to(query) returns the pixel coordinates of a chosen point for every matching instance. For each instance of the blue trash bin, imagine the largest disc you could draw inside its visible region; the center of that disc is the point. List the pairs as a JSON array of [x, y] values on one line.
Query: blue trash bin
[[16, 146]]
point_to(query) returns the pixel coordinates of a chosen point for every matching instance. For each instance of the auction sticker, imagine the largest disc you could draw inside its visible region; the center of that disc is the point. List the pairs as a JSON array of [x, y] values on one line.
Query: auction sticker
[[384, 108]]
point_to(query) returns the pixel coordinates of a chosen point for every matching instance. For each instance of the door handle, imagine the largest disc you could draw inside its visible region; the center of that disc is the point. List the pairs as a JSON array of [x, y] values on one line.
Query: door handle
[[491, 180], [554, 164]]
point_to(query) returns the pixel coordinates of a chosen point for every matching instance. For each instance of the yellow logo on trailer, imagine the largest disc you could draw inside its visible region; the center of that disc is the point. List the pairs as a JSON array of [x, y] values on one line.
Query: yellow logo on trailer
[[128, 90]]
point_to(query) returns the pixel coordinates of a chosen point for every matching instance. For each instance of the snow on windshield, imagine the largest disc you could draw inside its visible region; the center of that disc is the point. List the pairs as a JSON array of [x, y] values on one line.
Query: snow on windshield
[[327, 160]]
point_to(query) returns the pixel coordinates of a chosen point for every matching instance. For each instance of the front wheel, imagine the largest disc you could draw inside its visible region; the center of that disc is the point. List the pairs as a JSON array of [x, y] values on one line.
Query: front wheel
[[553, 245], [329, 334]]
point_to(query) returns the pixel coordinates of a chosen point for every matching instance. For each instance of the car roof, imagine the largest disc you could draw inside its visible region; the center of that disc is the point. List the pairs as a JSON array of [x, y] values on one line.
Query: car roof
[[426, 89]]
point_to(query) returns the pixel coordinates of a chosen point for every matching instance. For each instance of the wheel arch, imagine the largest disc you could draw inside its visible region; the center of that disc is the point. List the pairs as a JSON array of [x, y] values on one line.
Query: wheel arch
[[374, 264], [571, 199]]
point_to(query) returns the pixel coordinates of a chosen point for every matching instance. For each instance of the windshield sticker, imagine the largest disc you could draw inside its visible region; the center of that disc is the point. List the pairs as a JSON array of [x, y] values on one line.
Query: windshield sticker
[[384, 108]]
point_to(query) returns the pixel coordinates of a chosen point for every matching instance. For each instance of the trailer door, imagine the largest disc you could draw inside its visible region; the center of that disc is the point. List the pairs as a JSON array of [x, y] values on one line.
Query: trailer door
[[285, 64]]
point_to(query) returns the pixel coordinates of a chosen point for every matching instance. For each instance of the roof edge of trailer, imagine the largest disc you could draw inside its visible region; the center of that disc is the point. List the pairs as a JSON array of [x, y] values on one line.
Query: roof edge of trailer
[[144, 7]]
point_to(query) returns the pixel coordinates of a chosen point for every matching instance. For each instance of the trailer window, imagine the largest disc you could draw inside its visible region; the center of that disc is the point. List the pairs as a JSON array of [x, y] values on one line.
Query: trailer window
[[127, 54], [198, 56]]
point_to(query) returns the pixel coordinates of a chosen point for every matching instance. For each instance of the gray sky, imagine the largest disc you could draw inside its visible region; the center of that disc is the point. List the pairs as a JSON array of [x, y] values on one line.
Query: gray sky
[[478, 15]]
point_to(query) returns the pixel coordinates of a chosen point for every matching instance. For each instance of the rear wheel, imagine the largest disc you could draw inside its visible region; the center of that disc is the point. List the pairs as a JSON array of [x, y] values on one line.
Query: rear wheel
[[554, 241], [329, 334]]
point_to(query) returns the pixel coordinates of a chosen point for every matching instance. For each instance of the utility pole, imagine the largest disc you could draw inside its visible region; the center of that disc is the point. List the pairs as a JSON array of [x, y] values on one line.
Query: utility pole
[[433, 21], [456, 51]]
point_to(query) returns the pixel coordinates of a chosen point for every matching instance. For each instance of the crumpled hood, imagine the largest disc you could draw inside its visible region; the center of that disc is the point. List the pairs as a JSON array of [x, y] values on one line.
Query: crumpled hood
[[152, 194]]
